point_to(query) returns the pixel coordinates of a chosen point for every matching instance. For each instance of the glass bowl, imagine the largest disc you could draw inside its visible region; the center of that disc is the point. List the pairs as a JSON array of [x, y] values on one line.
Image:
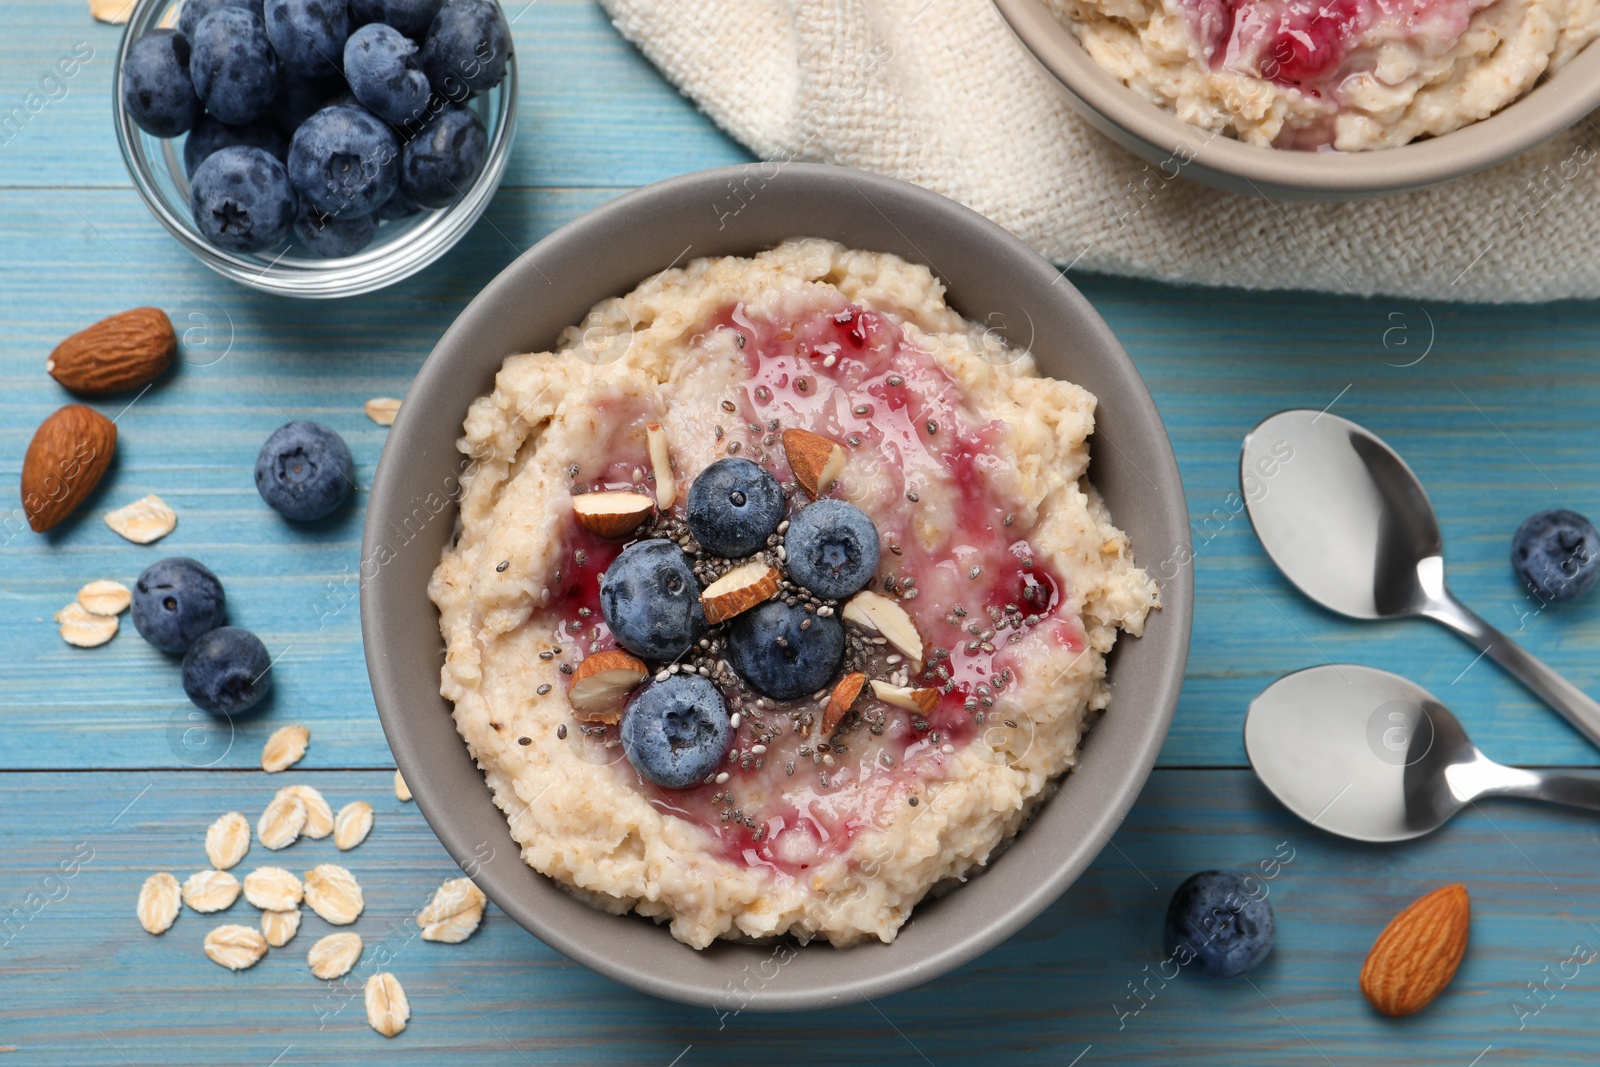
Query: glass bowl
[[401, 247]]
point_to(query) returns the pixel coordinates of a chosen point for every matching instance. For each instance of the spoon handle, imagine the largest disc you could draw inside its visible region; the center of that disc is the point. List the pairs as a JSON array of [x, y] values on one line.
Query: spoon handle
[[1576, 706], [1577, 789]]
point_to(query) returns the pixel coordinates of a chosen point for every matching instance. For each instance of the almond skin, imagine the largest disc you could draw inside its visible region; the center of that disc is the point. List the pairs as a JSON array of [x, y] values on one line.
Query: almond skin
[[125, 351], [1417, 954], [840, 700], [601, 685], [738, 591], [613, 514], [814, 459], [69, 453]]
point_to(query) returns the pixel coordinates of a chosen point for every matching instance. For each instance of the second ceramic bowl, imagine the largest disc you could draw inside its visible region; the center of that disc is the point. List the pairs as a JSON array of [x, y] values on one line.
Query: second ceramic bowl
[[993, 279]]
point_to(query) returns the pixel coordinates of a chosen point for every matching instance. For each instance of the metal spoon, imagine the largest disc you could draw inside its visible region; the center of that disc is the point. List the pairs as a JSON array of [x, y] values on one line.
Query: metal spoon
[[1348, 522], [1369, 755]]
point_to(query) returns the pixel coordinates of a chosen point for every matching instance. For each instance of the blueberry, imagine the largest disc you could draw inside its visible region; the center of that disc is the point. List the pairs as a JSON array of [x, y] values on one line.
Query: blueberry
[[440, 164], [156, 88], [1221, 921], [398, 206], [410, 17], [675, 732], [309, 35], [227, 671], [382, 68], [300, 98], [241, 199], [210, 136], [734, 506], [232, 65], [779, 656], [345, 161], [332, 238], [466, 49], [304, 471], [176, 600], [831, 548], [1556, 553], [651, 601], [195, 10]]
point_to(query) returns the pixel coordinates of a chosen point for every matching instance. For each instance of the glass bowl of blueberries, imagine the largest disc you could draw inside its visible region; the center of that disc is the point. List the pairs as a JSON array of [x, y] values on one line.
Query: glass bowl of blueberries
[[316, 148]]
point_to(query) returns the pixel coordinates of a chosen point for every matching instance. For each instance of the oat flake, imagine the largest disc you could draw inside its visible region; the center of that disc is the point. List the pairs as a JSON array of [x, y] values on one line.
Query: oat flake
[[105, 597], [383, 409], [352, 825], [158, 903], [387, 1007], [319, 816], [284, 748], [334, 955], [84, 630], [273, 889], [332, 893], [401, 790], [208, 891], [227, 840], [235, 947], [282, 822], [143, 521], [279, 927]]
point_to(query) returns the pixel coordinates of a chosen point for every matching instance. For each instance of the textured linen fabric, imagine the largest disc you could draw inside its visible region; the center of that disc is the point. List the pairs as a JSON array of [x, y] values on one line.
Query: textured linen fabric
[[941, 93]]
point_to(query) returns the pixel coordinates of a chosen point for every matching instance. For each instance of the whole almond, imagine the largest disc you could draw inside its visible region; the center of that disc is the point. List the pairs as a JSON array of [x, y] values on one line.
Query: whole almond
[[68, 455], [122, 352], [1418, 952]]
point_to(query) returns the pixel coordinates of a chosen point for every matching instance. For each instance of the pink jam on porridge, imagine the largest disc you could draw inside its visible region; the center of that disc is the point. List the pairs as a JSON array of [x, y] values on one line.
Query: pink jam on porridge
[[780, 595]]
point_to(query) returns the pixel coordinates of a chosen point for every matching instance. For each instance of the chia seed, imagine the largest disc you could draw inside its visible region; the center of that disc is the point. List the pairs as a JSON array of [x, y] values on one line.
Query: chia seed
[[738, 339], [524, 741], [912, 497], [763, 394], [854, 440], [566, 668], [727, 405], [503, 564], [801, 385], [972, 575], [862, 409], [1009, 519], [933, 427], [734, 448], [580, 557], [914, 802], [545, 688], [896, 380], [547, 655], [561, 732]]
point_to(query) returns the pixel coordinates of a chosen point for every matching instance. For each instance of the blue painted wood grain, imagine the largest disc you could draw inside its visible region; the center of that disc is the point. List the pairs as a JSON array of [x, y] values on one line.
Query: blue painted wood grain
[[1496, 417]]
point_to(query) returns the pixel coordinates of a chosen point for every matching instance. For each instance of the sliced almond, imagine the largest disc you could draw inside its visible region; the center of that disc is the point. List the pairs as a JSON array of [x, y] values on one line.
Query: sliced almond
[[840, 700], [319, 816], [333, 956], [84, 630], [903, 696], [227, 840], [352, 825], [878, 613], [105, 597], [739, 590], [273, 889], [601, 685], [282, 821], [614, 514], [387, 1007], [332, 893], [235, 947], [401, 790], [815, 460], [158, 903], [382, 410], [208, 891], [284, 748], [279, 927], [666, 484], [143, 521]]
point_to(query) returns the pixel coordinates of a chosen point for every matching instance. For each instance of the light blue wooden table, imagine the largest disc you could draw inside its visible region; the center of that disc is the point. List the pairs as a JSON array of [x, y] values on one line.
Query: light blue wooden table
[[101, 771]]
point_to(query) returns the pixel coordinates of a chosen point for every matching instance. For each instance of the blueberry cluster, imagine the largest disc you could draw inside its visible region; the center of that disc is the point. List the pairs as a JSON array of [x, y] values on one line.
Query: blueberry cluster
[[676, 730], [179, 607], [319, 117]]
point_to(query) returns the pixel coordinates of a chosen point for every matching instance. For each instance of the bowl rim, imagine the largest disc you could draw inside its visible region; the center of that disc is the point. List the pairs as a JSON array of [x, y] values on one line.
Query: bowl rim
[[424, 432], [373, 268], [1555, 103]]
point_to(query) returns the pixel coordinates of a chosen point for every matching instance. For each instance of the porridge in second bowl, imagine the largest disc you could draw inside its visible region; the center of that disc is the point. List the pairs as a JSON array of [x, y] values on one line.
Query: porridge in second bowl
[[1341, 74], [780, 595]]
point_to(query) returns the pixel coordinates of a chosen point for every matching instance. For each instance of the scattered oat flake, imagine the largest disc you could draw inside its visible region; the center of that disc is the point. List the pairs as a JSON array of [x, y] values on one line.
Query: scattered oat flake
[[454, 912], [235, 947], [387, 1007], [208, 891], [273, 889], [158, 903], [352, 825], [285, 748], [227, 840], [80, 628], [282, 822], [279, 927], [319, 816], [383, 409], [455, 929], [115, 12], [334, 955], [143, 521], [333, 894], [401, 790], [105, 597]]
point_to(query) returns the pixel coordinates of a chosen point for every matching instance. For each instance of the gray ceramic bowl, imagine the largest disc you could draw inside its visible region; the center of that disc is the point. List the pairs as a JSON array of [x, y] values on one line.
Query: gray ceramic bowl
[[993, 278], [1164, 140]]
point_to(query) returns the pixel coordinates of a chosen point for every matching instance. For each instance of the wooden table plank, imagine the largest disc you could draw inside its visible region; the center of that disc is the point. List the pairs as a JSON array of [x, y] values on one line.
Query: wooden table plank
[[81, 983]]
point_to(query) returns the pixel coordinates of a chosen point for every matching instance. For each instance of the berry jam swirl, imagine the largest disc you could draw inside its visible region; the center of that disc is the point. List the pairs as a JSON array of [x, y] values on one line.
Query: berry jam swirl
[[954, 555]]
